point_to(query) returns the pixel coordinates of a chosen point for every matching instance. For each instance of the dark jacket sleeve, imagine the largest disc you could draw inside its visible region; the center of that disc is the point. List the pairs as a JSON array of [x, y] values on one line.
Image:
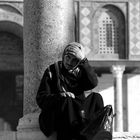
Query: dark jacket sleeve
[[88, 77], [45, 98]]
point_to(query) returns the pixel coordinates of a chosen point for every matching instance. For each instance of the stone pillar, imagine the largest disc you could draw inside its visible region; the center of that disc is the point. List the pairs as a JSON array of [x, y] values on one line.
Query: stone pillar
[[117, 71], [48, 27]]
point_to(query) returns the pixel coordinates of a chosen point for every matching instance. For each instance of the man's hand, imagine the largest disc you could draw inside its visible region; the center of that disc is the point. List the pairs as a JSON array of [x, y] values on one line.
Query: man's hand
[[79, 53], [67, 94]]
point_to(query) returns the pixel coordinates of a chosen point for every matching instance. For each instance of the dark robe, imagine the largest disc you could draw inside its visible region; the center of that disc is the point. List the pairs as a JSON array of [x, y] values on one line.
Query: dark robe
[[63, 114]]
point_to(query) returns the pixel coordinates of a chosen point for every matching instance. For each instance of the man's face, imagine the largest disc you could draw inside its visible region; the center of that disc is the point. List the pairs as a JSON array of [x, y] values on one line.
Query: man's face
[[70, 61]]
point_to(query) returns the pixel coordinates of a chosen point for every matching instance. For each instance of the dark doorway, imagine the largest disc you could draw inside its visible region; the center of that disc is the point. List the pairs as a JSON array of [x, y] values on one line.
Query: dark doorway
[[11, 81], [11, 100]]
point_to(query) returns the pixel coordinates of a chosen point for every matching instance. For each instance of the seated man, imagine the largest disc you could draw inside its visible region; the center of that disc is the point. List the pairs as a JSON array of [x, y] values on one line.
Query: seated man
[[64, 107]]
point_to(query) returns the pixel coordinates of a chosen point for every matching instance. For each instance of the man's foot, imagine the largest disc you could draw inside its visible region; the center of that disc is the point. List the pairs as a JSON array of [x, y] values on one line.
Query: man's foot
[[103, 135]]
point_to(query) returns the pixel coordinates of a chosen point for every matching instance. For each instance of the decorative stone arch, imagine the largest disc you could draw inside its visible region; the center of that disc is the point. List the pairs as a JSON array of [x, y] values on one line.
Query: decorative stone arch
[[14, 7], [108, 25], [12, 19], [12, 27]]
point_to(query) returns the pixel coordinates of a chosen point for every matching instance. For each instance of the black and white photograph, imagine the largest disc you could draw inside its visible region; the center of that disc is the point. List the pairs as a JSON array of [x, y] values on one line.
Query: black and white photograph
[[69, 69]]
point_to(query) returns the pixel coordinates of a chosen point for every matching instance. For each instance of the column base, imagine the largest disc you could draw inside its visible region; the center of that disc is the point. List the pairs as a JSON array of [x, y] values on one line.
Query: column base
[[28, 129]]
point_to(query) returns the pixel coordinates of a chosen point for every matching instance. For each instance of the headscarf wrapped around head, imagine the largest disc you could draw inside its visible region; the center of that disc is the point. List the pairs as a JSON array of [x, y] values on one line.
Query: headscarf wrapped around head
[[70, 49]]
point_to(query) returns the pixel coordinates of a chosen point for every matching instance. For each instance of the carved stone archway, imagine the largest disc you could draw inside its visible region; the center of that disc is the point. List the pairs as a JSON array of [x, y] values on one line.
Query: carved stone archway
[[11, 66], [11, 20]]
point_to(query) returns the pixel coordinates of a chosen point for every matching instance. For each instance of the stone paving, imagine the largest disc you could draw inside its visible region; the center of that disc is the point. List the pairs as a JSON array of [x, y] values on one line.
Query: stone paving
[[9, 135]]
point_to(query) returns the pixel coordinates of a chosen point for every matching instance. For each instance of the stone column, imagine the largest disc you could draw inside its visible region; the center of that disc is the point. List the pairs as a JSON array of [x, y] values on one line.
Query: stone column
[[117, 71], [48, 27]]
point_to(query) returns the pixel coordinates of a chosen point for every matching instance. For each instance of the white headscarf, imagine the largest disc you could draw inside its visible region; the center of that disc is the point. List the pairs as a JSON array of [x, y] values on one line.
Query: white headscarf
[[70, 48]]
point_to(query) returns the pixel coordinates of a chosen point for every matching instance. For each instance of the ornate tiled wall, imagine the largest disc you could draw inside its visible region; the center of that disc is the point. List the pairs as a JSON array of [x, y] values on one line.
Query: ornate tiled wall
[[131, 11], [134, 29], [85, 25]]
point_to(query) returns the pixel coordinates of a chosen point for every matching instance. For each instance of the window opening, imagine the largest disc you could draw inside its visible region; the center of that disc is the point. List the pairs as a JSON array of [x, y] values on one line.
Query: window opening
[[108, 34]]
